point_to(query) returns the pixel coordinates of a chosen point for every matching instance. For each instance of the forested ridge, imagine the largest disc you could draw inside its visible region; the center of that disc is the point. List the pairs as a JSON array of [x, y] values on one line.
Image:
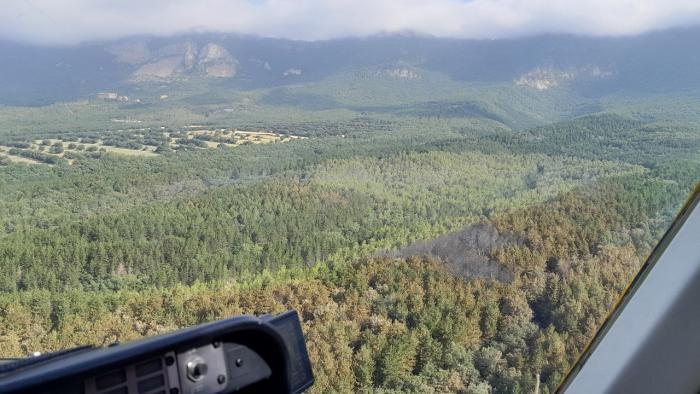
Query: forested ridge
[[406, 325], [344, 210], [98, 247]]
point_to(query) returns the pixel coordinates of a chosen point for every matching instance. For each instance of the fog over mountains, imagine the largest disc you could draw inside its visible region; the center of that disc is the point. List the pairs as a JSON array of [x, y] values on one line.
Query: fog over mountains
[[593, 66]]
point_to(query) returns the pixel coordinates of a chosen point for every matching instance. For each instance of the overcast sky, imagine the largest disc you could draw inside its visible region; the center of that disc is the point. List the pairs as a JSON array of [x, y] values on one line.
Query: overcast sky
[[73, 21]]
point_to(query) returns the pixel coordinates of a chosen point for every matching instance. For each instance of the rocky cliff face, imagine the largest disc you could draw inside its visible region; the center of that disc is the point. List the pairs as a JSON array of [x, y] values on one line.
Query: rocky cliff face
[[395, 72], [402, 73], [215, 61], [545, 78], [171, 62]]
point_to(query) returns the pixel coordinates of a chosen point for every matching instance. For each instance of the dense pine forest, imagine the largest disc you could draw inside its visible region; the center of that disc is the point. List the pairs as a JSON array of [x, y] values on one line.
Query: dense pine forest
[[435, 235]]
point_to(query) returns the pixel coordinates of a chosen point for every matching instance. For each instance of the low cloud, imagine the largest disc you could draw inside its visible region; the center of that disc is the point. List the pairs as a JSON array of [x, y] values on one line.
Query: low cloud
[[74, 21]]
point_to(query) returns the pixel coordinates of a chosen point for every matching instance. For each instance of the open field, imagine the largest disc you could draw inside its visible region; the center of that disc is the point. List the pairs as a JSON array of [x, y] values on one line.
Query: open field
[[234, 137], [148, 151], [141, 142]]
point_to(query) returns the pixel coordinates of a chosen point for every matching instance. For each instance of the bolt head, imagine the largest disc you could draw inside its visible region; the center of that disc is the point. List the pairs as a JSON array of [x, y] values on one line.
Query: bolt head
[[196, 369]]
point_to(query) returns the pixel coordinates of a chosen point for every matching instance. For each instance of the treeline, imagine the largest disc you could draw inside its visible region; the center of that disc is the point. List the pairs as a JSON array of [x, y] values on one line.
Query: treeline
[[343, 210], [38, 156], [356, 125], [608, 137], [16, 144]]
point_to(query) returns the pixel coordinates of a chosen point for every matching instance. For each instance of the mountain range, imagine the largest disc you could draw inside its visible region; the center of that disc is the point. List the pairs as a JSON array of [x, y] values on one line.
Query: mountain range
[[593, 66]]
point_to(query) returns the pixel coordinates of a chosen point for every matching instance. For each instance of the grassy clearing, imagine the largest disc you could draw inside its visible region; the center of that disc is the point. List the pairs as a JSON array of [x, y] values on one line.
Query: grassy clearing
[[138, 142], [234, 137], [128, 152]]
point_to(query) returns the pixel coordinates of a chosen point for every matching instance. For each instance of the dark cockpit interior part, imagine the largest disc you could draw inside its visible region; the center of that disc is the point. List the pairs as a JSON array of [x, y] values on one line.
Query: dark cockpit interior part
[[237, 355]]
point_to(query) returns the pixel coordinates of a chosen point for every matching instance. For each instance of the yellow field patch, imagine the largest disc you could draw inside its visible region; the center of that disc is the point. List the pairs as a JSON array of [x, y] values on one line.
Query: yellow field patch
[[233, 137], [229, 137], [130, 152]]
